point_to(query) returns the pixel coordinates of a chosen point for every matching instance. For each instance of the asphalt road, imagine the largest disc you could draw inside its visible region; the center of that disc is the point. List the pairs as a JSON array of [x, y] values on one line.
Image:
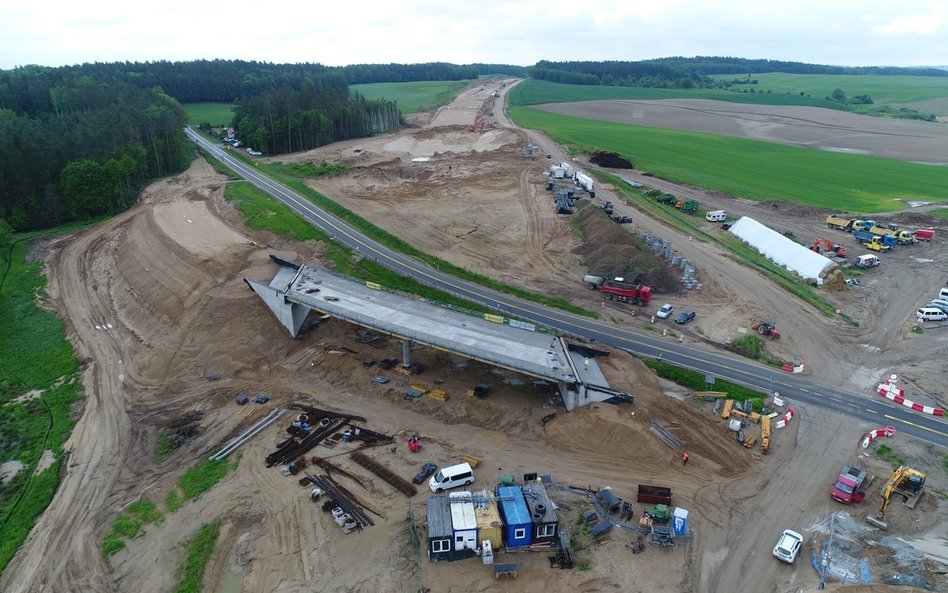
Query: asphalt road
[[875, 412]]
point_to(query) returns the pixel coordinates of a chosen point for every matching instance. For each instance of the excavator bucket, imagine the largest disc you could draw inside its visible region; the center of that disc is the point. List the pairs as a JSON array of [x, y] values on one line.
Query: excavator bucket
[[877, 522]]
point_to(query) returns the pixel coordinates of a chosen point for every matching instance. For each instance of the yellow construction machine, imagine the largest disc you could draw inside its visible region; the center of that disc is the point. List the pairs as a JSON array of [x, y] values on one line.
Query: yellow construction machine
[[906, 481]]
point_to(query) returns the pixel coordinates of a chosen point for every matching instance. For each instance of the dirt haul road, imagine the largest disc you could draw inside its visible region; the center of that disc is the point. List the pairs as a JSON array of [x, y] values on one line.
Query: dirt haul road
[[154, 303]]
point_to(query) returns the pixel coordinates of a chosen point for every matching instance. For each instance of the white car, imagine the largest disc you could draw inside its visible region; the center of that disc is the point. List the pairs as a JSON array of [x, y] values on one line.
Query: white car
[[664, 311], [788, 545]]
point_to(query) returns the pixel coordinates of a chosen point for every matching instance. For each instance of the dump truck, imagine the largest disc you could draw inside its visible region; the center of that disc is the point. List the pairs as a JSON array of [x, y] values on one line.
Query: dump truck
[[620, 290], [901, 237], [840, 223], [666, 199], [875, 242], [847, 487], [924, 234]]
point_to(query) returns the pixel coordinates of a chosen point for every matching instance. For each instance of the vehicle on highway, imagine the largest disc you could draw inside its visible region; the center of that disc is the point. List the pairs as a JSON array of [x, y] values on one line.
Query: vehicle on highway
[[664, 311], [426, 471], [685, 316], [788, 546]]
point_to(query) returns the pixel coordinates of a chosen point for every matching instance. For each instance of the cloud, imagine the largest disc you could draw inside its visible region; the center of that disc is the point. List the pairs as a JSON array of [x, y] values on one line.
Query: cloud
[[927, 23]]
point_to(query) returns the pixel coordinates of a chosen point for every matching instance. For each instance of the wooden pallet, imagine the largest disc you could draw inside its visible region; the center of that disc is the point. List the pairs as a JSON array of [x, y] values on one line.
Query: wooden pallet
[[438, 394], [750, 441], [505, 570]]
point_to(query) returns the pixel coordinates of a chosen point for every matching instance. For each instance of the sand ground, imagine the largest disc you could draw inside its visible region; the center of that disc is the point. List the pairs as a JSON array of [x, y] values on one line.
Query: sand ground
[[154, 303]]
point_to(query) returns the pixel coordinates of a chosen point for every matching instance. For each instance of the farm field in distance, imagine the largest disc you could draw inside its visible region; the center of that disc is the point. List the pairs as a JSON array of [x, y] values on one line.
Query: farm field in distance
[[743, 167], [924, 93], [216, 114], [412, 97], [534, 92]]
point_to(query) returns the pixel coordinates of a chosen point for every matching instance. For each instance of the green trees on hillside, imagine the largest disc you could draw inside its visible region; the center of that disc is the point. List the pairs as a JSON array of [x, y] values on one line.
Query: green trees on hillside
[[73, 146]]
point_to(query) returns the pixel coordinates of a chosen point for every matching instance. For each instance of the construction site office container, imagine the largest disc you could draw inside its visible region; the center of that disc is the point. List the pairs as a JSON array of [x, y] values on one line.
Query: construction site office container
[[518, 528], [440, 532], [489, 526], [542, 513], [463, 521]]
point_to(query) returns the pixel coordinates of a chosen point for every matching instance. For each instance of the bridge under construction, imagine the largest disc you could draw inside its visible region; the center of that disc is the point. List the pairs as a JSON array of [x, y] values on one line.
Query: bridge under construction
[[520, 346]]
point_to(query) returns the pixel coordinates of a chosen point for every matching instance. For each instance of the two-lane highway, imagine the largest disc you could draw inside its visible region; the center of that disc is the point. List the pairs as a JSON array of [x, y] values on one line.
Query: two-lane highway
[[875, 412]]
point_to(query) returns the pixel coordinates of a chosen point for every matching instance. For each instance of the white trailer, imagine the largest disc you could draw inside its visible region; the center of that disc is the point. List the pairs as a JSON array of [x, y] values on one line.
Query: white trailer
[[568, 168], [584, 181]]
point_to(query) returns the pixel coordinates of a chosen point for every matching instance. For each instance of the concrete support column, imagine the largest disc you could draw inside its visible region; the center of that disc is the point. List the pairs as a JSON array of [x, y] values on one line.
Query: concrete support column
[[406, 353]]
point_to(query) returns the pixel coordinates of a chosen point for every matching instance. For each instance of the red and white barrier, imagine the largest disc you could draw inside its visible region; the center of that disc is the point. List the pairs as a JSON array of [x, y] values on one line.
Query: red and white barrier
[[887, 388], [786, 418], [887, 432], [892, 392]]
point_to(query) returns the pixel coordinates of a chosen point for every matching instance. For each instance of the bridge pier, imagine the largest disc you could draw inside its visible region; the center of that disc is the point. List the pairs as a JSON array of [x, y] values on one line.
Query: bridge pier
[[406, 353]]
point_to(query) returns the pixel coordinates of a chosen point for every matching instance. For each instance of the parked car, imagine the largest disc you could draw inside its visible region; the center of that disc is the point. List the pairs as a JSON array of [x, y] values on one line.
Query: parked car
[[426, 471], [788, 546], [685, 316], [664, 311], [938, 304]]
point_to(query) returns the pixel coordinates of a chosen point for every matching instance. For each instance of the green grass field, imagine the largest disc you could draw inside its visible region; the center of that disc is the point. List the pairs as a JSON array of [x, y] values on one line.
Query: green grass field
[[36, 356], [216, 114], [750, 168], [884, 90], [412, 97], [535, 92]]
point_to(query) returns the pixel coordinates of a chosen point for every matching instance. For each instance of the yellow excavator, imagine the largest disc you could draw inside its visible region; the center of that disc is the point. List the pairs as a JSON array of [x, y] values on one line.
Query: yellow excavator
[[906, 481]]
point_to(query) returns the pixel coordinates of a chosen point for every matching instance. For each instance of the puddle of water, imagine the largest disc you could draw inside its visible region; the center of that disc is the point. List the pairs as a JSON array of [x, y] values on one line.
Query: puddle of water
[[230, 582]]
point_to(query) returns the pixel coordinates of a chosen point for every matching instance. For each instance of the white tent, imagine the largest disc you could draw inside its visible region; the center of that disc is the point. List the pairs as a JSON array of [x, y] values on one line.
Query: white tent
[[783, 251]]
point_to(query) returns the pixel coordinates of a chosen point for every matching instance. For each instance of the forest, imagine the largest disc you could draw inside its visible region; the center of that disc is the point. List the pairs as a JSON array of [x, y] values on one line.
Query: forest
[[680, 72], [78, 142]]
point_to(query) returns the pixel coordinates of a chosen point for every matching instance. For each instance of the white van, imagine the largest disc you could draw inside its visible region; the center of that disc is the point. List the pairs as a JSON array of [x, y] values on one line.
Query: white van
[[943, 293], [450, 477], [716, 215], [931, 314]]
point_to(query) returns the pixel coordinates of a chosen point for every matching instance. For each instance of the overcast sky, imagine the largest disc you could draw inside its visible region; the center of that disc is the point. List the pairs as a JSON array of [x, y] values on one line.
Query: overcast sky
[[335, 33]]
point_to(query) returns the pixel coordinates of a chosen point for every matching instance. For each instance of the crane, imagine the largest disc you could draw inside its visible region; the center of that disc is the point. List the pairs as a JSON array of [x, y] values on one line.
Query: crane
[[906, 481]]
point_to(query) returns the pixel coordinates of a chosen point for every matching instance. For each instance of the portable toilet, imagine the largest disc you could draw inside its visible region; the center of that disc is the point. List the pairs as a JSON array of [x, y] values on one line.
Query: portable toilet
[[518, 528], [680, 521], [487, 553]]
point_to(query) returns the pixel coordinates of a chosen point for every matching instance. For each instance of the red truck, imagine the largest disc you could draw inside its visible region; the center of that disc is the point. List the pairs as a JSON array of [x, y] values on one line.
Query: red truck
[[924, 234], [846, 489], [638, 294]]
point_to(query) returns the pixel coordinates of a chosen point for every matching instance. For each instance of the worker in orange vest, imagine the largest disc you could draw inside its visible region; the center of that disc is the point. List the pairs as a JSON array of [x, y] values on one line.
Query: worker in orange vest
[[684, 458]]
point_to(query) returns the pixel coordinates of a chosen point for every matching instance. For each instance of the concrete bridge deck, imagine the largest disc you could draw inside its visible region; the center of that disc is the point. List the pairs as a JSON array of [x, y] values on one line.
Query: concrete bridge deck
[[512, 344]]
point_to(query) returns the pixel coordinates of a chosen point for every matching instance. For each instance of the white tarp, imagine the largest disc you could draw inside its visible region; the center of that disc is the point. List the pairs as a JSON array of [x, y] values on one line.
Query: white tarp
[[781, 250]]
